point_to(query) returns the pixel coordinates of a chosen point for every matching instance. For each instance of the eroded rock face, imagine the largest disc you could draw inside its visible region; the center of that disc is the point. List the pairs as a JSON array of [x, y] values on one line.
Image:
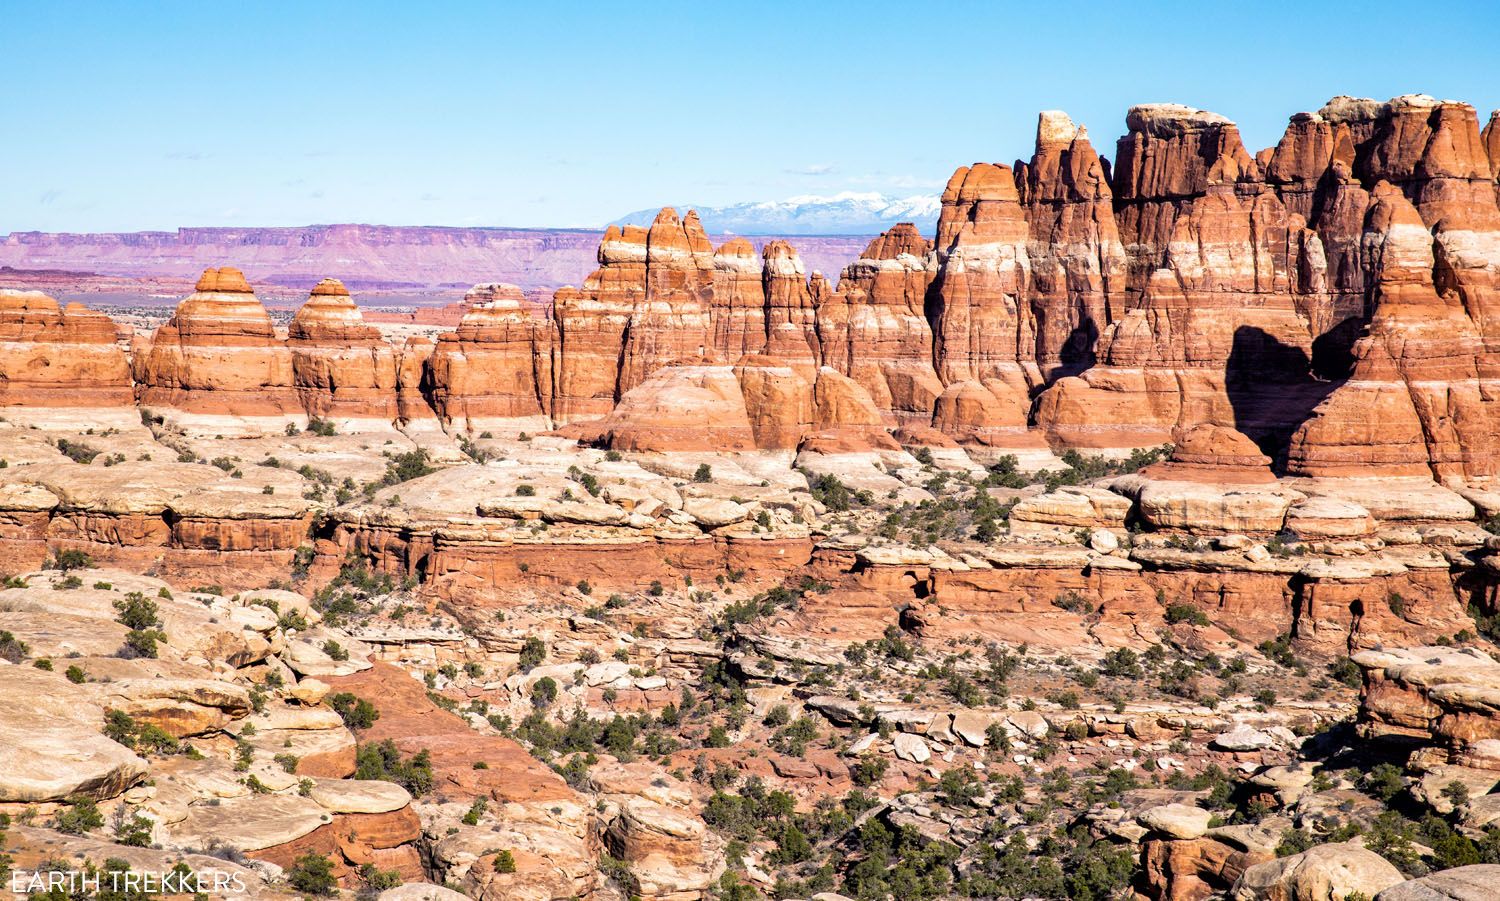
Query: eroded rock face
[[53, 357], [218, 357], [495, 371], [873, 329], [1061, 303], [1218, 273], [646, 306], [344, 370], [1413, 405]]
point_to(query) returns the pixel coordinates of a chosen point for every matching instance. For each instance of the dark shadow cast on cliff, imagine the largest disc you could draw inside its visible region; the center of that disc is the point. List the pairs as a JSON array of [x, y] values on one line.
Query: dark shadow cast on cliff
[[1272, 389]]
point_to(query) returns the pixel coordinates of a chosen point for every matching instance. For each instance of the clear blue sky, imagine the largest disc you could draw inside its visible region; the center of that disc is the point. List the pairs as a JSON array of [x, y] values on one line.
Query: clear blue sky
[[123, 116]]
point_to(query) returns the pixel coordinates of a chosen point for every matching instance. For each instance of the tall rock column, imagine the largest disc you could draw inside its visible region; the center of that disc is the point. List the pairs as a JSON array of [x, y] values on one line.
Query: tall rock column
[[790, 298], [873, 329], [738, 310], [1077, 260]]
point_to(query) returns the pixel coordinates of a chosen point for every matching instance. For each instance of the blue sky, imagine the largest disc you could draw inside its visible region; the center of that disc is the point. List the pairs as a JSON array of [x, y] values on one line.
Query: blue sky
[[126, 116]]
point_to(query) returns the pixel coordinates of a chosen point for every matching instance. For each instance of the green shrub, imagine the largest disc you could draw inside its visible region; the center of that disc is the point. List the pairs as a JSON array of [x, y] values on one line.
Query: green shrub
[[136, 611], [476, 810], [77, 451], [356, 712], [378, 880], [12, 648], [384, 761], [533, 652], [142, 642], [313, 873], [1178, 612], [70, 559], [132, 829], [544, 692], [81, 816]]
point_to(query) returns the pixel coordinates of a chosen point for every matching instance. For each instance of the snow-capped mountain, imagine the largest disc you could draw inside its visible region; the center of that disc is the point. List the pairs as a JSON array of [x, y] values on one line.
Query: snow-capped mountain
[[846, 213]]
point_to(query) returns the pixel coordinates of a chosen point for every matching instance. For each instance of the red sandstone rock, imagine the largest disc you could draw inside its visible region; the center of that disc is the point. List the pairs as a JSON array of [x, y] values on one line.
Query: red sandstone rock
[[343, 368], [681, 408], [738, 311], [53, 357], [495, 371], [873, 328], [1194, 284], [1413, 405], [791, 299], [1211, 453], [1077, 260], [1224, 272], [218, 356], [777, 387]]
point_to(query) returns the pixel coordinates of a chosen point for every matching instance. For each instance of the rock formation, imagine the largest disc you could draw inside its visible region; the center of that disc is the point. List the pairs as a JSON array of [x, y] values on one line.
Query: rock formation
[[58, 358], [1218, 274], [1063, 302], [343, 369], [873, 327], [495, 371], [218, 360]]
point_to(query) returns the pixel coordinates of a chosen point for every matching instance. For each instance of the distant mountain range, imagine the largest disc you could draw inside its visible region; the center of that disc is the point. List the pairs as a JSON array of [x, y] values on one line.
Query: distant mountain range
[[367, 257], [846, 213]]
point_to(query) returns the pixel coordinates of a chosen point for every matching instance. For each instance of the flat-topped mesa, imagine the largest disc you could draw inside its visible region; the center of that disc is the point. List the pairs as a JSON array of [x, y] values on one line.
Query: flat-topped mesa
[[1077, 260], [344, 370], [218, 363], [646, 306], [873, 328], [1413, 405], [54, 357], [494, 373]]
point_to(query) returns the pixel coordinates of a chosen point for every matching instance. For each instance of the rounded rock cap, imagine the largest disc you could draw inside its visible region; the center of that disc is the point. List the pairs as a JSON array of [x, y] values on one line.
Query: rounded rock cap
[[330, 287], [224, 280]]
